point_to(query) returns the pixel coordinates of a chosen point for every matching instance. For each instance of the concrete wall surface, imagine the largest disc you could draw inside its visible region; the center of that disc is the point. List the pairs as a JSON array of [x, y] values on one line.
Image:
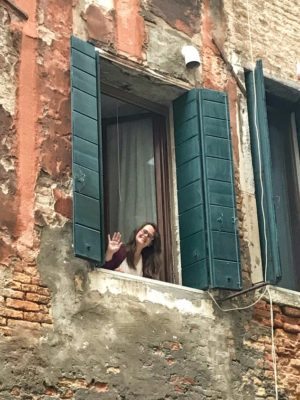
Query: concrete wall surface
[[70, 331]]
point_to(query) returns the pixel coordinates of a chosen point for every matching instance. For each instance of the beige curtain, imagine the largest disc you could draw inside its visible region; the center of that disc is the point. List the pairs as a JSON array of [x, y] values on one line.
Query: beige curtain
[[131, 175]]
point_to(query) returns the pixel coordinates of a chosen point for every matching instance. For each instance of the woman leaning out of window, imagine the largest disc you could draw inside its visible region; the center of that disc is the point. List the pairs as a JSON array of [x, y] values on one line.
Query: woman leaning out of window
[[141, 256]]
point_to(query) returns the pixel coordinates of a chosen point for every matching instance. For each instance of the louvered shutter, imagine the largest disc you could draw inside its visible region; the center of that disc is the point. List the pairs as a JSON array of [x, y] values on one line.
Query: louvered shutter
[[261, 158], [207, 214], [87, 160]]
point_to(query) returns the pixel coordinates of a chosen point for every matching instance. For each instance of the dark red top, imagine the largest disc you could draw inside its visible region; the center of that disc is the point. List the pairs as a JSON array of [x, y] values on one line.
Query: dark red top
[[117, 259]]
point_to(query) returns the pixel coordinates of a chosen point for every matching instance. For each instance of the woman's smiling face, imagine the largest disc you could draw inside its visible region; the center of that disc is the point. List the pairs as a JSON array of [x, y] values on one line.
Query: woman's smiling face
[[145, 236]]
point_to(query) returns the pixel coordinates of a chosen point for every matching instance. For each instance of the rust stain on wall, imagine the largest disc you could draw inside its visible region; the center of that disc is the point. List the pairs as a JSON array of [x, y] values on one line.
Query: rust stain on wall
[[26, 125], [99, 25], [130, 29], [181, 15]]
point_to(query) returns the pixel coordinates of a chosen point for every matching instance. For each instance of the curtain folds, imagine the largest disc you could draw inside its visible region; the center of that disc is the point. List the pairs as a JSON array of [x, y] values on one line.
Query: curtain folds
[[131, 175]]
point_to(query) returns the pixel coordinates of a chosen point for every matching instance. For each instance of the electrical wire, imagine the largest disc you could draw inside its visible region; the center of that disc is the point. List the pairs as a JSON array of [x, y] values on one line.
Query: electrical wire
[[274, 361], [274, 356], [119, 169]]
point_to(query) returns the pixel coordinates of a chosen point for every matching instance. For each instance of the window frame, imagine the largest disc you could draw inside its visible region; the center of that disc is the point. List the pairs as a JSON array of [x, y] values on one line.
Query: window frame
[[161, 134]]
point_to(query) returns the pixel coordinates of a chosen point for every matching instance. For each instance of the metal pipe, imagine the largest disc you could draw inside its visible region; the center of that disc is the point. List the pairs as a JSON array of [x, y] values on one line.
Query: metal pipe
[[257, 286]]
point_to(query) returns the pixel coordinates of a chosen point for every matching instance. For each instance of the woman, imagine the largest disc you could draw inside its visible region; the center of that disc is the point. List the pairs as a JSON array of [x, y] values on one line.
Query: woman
[[141, 255]]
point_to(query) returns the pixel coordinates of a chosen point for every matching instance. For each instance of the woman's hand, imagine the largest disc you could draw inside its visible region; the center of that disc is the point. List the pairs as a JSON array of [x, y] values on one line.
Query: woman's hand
[[113, 245]]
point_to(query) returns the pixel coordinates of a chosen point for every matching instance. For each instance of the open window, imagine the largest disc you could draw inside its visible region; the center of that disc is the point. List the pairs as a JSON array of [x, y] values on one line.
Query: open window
[[274, 128], [120, 162]]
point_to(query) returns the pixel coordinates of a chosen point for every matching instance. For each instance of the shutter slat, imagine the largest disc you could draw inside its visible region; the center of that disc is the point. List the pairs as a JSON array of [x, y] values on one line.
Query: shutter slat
[[83, 81], [191, 253], [85, 103], [190, 196], [86, 181], [85, 127], [187, 150], [191, 221], [83, 62], [87, 160], [220, 193], [188, 173], [215, 127], [218, 169], [217, 147], [88, 212], [82, 46], [85, 154], [187, 130]]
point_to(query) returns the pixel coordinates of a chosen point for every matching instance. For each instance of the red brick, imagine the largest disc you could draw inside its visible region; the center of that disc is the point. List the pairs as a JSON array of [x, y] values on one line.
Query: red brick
[[9, 313], [101, 387], [275, 307], [37, 317], [1, 299], [18, 267], [262, 313], [31, 271], [35, 280], [291, 328], [63, 206], [295, 363], [291, 311], [51, 391], [22, 305], [43, 290], [37, 298], [261, 305], [14, 294], [36, 289], [278, 322], [23, 324], [19, 277], [2, 321], [15, 285], [291, 320]]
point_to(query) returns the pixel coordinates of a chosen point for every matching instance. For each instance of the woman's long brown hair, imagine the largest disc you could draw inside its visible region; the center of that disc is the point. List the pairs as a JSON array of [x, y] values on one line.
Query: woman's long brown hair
[[151, 255]]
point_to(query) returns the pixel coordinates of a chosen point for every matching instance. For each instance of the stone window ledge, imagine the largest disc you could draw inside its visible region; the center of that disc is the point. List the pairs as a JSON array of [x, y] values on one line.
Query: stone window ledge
[[184, 299]]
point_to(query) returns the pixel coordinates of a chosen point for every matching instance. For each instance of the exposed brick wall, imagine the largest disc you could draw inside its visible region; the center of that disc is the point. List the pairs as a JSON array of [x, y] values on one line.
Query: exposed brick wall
[[287, 345], [24, 302]]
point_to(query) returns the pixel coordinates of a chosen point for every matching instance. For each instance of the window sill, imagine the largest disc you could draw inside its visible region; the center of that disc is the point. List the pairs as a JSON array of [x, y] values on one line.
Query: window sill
[[184, 299], [284, 297]]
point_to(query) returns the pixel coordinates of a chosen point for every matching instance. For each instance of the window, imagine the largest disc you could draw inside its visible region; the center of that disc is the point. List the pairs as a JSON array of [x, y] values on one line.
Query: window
[[277, 113], [130, 139]]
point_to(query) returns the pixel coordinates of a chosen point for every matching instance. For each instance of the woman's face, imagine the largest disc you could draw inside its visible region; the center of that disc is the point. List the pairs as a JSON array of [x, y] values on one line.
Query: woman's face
[[145, 236]]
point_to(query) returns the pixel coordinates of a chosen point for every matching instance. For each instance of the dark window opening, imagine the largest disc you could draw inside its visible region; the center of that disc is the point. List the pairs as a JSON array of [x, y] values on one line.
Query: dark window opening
[[285, 179]]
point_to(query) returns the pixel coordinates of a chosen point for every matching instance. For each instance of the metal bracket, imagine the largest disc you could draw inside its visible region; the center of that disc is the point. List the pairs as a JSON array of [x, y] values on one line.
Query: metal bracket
[[254, 287]]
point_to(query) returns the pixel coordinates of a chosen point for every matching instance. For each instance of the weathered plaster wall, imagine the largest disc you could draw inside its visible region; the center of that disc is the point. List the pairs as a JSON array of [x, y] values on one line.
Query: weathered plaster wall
[[118, 338], [9, 55]]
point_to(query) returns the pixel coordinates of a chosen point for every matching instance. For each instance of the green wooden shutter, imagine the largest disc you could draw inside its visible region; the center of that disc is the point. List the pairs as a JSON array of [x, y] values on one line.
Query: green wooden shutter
[[207, 218], [87, 160], [261, 158]]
